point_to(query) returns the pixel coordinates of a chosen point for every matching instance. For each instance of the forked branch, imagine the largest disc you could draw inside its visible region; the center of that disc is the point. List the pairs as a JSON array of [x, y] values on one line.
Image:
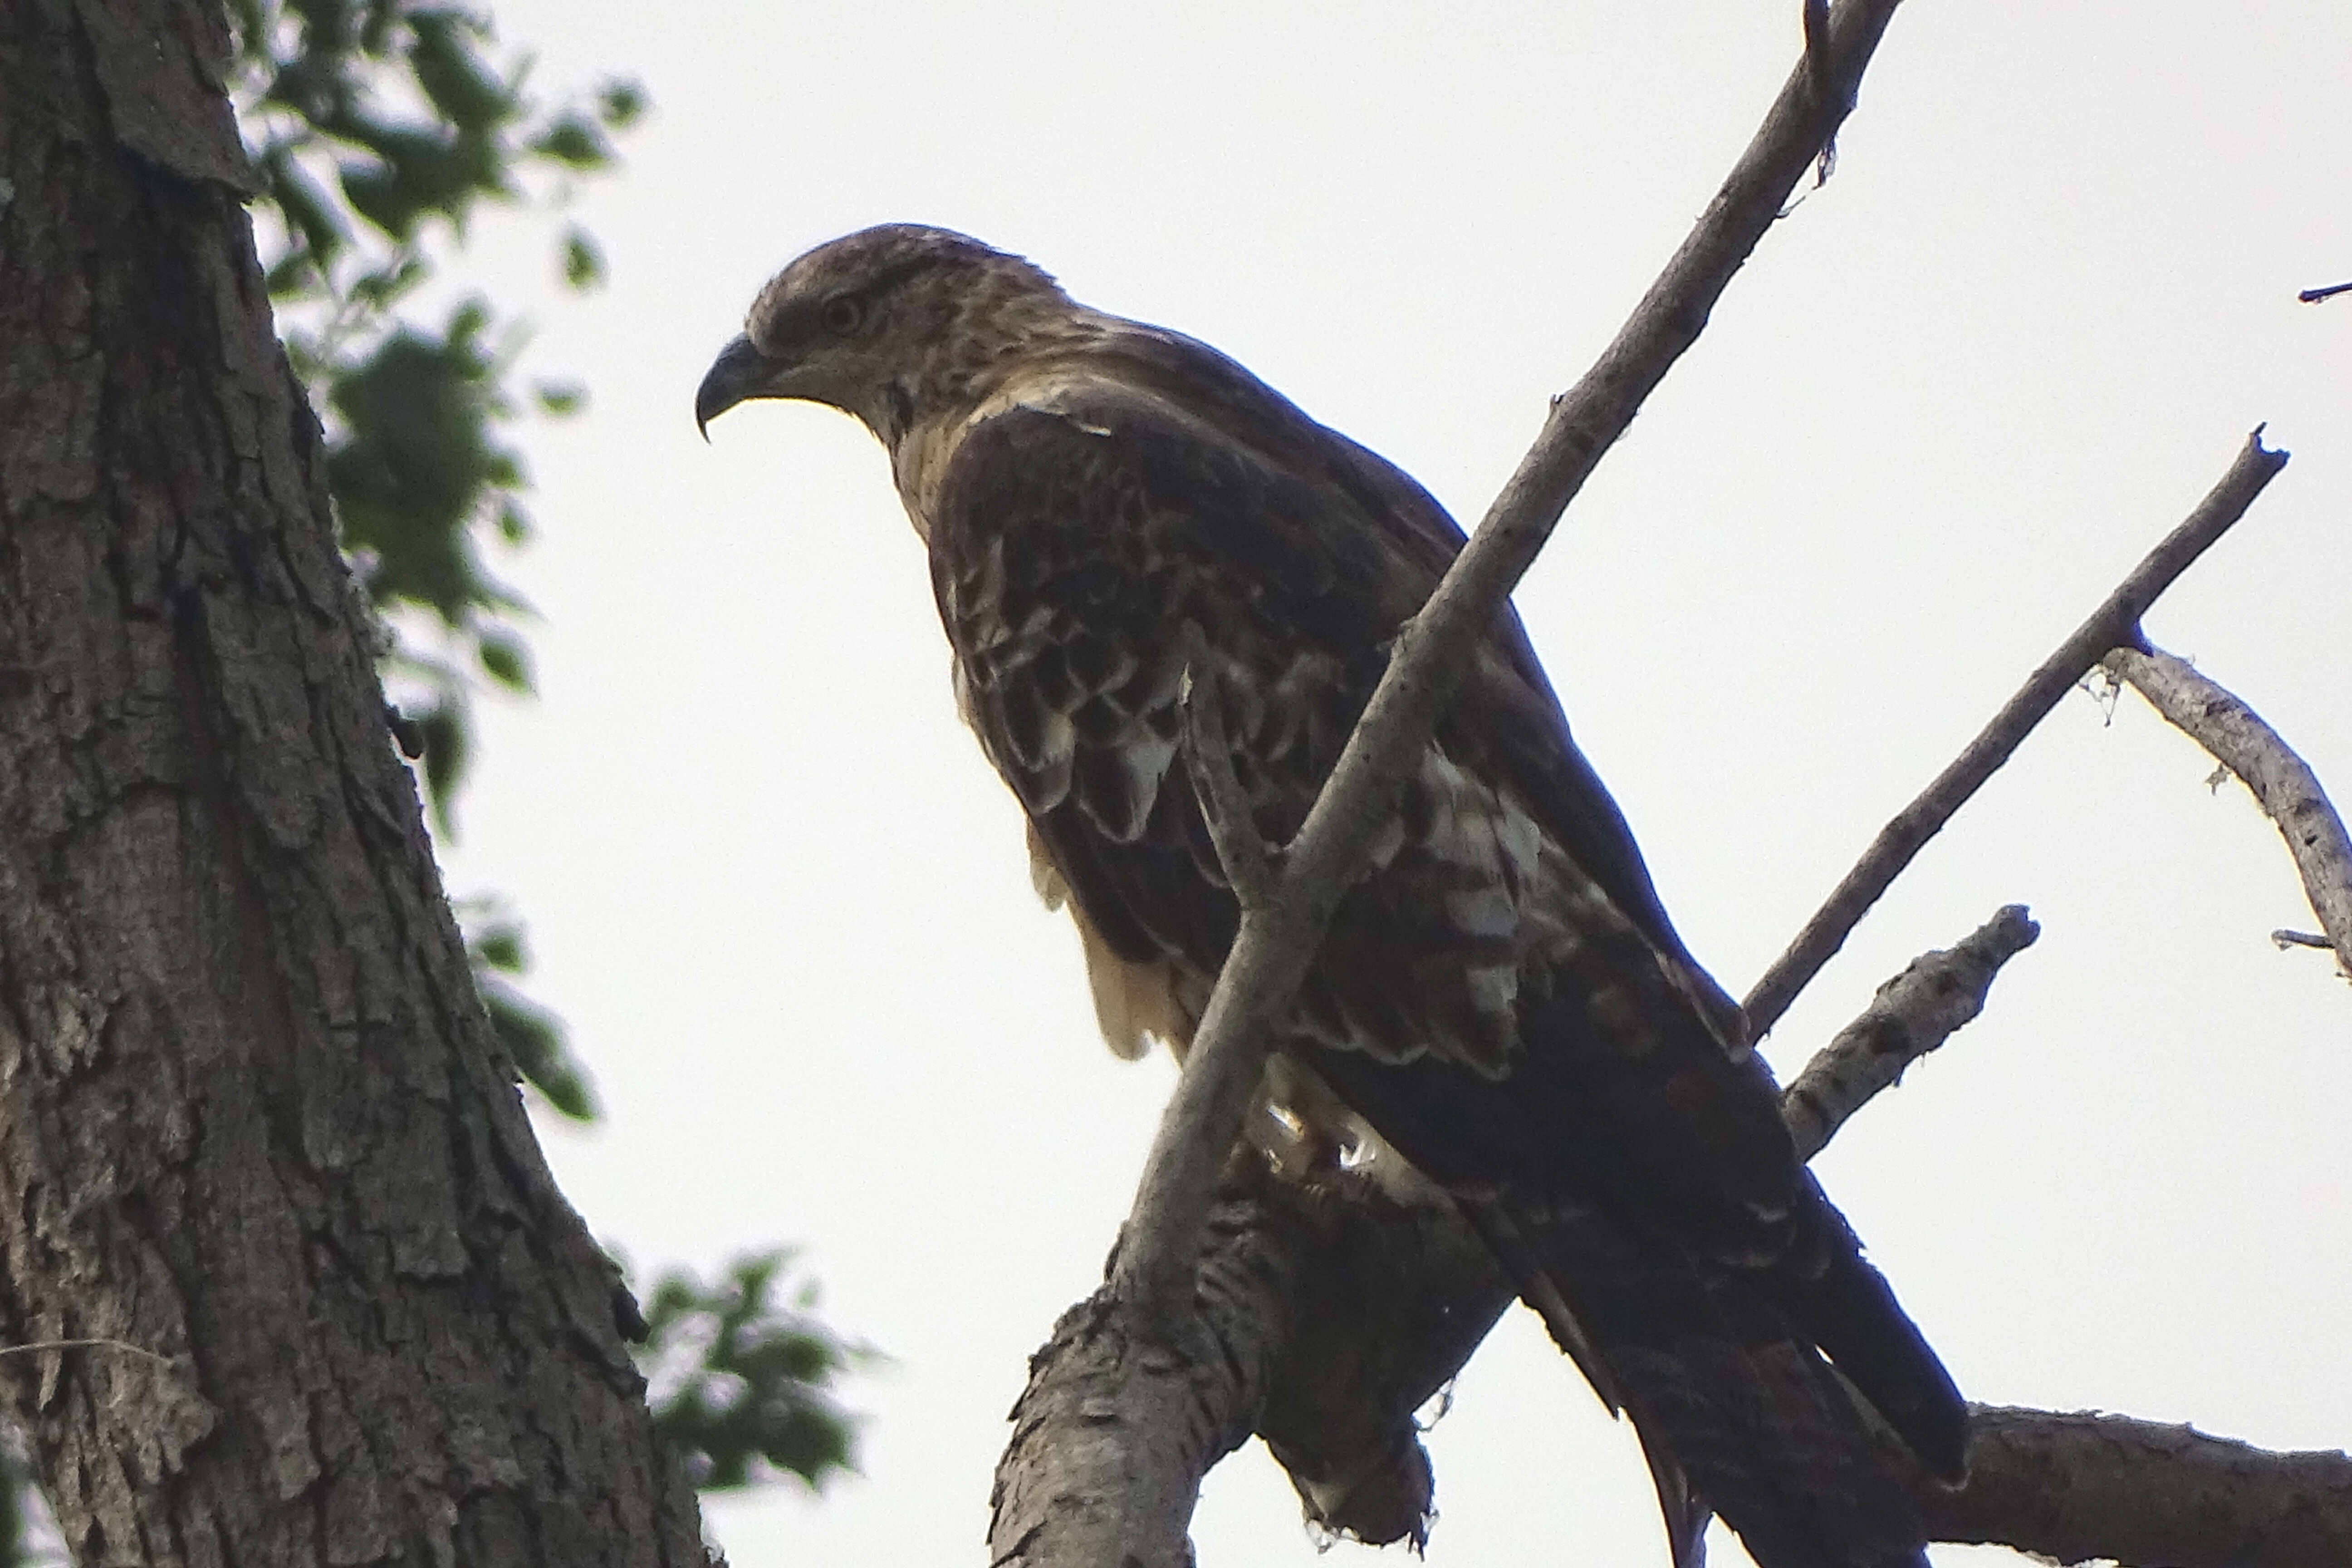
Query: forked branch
[[2112, 624]]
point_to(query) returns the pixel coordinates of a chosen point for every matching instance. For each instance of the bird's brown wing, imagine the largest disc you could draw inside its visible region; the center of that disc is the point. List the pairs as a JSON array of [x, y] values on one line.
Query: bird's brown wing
[[1501, 997], [1383, 511], [1076, 548]]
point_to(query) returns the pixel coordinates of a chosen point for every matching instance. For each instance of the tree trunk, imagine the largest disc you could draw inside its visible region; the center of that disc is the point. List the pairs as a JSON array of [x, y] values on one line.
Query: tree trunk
[[253, 1123]]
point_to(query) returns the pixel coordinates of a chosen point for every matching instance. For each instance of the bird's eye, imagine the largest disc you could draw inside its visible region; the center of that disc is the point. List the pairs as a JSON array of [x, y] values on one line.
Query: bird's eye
[[843, 313]]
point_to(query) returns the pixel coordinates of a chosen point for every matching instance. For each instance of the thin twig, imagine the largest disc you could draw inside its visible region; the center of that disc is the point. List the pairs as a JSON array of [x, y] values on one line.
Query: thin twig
[[1911, 1014], [2114, 622], [1209, 762], [1275, 945], [2282, 783], [100, 1343], [1818, 73], [2313, 296]]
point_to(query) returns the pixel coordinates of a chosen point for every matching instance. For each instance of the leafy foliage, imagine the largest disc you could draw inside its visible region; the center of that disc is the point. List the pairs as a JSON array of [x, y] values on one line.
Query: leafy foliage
[[742, 1386], [379, 127], [533, 1036]]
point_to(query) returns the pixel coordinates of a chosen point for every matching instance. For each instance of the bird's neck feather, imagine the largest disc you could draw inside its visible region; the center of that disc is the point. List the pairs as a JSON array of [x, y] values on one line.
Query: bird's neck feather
[[1022, 358]]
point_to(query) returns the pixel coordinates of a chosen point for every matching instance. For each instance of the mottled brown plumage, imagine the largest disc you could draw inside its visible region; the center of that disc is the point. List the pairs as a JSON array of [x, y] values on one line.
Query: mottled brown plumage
[[1502, 998]]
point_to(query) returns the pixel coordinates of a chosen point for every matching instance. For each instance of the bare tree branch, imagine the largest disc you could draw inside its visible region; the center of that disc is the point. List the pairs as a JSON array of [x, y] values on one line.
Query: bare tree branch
[[1333, 1312], [1330, 1308], [1275, 945], [1910, 1015], [2114, 622], [2313, 296], [2082, 1487], [1124, 1414], [2282, 783]]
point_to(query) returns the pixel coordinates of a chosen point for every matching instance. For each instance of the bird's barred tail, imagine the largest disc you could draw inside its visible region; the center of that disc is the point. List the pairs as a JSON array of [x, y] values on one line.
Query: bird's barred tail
[[1848, 1309], [1738, 1414]]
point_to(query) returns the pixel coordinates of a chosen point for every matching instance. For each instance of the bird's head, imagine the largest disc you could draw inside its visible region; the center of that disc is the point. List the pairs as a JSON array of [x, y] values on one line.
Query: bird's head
[[893, 324]]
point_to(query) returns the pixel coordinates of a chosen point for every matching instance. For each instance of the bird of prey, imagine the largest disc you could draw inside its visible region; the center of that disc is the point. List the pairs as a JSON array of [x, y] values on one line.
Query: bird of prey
[[1107, 505]]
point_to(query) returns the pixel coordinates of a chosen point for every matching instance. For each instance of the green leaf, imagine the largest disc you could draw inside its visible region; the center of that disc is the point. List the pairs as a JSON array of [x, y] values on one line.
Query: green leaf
[[620, 103], [416, 171], [294, 277], [412, 466], [505, 659], [466, 324], [533, 1038], [310, 213], [743, 1387], [448, 738], [499, 946], [470, 95], [574, 141], [584, 264], [560, 398], [376, 21]]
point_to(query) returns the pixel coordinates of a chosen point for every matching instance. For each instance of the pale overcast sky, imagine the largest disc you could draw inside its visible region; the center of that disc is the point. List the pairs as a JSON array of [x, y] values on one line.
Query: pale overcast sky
[[784, 904]]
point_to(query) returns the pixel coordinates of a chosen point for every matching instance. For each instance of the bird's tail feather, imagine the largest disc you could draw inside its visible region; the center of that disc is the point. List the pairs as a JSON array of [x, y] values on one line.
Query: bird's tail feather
[[1737, 1416], [1847, 1308]]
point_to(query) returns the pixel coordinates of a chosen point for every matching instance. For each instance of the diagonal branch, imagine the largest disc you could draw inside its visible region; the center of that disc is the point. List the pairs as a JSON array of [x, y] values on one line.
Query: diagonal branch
[[2113, 624], [1910, 1015], [2282, 783], [1274, 945]]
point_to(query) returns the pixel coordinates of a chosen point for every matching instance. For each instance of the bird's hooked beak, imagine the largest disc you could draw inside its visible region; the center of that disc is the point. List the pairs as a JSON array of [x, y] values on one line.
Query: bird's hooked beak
[[740, 373]]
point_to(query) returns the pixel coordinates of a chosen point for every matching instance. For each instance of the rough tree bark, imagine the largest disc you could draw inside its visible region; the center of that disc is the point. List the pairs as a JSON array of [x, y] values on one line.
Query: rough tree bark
[[253, 1123]]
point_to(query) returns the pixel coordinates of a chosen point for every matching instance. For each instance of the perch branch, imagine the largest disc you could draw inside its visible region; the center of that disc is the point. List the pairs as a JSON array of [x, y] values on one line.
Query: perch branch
[[2313, 296], [2077, 1488], [1331, 1311], [1123, 1416], [1910, 1015], [1334, 1311], [2113, 623], [1275, 945], [2282, 783], [1328, 1308]]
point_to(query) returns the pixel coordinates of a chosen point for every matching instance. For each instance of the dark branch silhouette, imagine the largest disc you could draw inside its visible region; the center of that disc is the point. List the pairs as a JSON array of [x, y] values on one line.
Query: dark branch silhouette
[[2113, 624]]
